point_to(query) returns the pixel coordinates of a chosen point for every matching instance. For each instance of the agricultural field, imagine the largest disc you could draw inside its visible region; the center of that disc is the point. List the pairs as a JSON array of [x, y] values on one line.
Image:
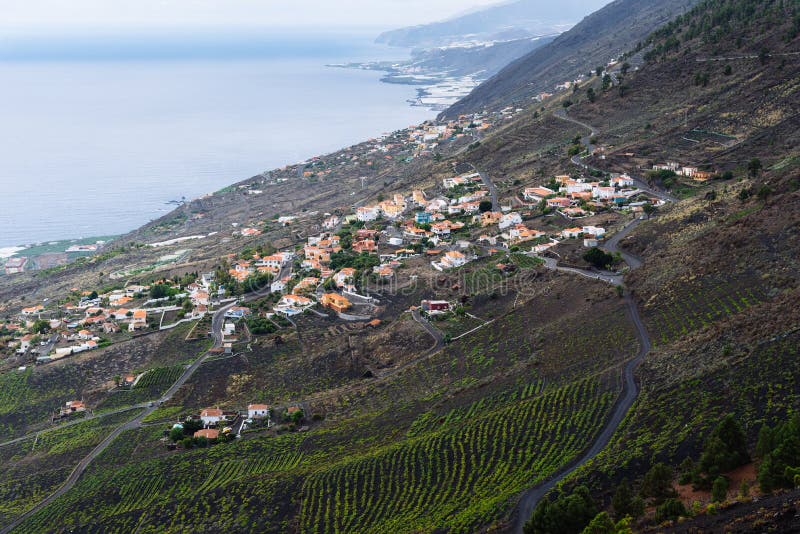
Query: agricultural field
[[457, 476], [689, 386], [700, 303], [28, 399], [36, 467], [180, 492], [150, 386]]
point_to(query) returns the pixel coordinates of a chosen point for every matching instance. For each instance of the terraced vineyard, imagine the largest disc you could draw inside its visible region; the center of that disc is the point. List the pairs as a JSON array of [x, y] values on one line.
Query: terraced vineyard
[[457, 478], [150, 386], [28, 397], [700, 304], [759, 387], [13, 389], [160, 377], [36, 467], [185, 487]]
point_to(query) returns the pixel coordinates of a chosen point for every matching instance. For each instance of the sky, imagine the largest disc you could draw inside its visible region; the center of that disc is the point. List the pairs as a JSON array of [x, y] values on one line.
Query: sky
[[25, 16]]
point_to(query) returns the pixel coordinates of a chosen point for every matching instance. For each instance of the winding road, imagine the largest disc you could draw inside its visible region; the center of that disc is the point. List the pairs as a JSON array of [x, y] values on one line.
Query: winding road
[[630, 389], [586, 141], [216, 328]]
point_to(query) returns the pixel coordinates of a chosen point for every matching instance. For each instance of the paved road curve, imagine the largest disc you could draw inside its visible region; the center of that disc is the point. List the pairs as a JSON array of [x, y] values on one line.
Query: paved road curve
[[630, 391], [216, 328]]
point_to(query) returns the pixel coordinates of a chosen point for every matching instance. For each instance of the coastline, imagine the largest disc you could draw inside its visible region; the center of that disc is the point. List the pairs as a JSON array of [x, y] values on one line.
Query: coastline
[[7, 252], [82, 247]]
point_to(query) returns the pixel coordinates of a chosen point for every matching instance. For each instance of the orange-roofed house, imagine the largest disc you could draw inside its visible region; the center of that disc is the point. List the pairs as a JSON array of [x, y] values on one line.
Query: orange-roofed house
[[367, 245], [336, 302], [537, 194], [453, 259], [489, 218], [138, 320], [208, 433], [558, 202], [75, 406], [570, 233]]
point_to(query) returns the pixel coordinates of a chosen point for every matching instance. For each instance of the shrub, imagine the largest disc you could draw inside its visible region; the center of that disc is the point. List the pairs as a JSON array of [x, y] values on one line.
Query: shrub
[[719, 490], [670, 509], [598, 258], [569, 513], [657, 483], [625, 503], [601, 524]]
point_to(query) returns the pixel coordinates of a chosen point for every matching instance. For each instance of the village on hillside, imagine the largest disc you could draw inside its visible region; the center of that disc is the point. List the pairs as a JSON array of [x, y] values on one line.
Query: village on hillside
[[342, 267]]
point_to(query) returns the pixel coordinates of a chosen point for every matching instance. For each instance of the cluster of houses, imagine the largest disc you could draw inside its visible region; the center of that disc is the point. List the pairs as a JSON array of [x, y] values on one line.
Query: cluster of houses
[[216, 421], [243, 269], [572, 192], [681, 170], [77, 327]]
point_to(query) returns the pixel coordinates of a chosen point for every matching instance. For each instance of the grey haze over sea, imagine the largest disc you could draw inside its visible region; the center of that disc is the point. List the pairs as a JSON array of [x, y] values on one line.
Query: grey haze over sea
[[100, 131]]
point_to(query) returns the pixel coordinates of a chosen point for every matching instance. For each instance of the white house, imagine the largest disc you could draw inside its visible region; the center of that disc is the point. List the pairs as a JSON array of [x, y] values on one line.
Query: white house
[[331, 222], [537, 194], [257, 411], [509, 219], [604, 193], [436, 205], [578, 186], [211, 416], [278, 286], [453, 259], [367, 213], [623, 180], [595, 231]]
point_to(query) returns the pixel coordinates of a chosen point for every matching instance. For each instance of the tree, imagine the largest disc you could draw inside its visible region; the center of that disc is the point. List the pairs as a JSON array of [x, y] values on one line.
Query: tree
[[625, 68], [159, 291], [779, 448], [485, 205], [725, 448], [657, 483], [649, 210], [671, 509], [598, 258], [599, 71], [625, 503], [719, 490], [764, 192], [601, 524], [176, 434], [567, 514], [754, 167], [606, 82], [591, 95], [728, 70], [190, 426], [40, 326]]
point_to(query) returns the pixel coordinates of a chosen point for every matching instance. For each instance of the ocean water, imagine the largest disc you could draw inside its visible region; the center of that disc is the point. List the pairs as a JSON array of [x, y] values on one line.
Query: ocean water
[[99, 133]]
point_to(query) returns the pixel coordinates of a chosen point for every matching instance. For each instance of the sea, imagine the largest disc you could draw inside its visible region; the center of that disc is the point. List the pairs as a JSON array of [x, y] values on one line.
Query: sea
[[101, 131]]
